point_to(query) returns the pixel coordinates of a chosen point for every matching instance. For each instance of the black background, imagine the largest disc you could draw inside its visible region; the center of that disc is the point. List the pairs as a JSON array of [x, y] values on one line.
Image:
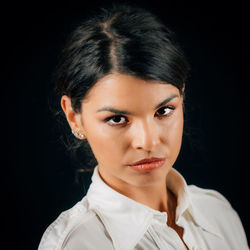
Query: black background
[[39, 183]]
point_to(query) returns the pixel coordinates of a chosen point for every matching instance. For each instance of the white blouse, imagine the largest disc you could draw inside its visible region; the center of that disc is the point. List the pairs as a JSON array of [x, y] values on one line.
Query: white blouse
[[105, 219]]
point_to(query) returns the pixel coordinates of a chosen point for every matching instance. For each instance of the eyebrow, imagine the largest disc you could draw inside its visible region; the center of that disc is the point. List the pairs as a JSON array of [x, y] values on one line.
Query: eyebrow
[[117, 111]]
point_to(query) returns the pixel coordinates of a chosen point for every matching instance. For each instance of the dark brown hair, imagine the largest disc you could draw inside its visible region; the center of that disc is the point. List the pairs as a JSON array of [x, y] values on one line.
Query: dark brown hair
[[124, 39]]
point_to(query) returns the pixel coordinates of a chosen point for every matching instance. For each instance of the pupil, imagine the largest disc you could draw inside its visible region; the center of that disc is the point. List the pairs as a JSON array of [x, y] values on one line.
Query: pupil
[[163, 110], [117, 118]]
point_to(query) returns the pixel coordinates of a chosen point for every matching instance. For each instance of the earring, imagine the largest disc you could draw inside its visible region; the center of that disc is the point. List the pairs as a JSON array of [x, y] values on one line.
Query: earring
[[78, 135]]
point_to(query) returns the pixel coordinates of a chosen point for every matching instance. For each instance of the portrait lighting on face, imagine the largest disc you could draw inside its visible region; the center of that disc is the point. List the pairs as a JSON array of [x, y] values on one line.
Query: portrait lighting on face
[[121, 80], [146, 124]]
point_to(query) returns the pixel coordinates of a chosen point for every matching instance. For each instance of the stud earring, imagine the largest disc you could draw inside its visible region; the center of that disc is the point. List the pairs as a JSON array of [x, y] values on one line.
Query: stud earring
[[78, 135]]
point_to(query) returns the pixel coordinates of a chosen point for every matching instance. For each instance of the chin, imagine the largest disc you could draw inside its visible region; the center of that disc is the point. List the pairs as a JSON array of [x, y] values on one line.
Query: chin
[[148, 178]]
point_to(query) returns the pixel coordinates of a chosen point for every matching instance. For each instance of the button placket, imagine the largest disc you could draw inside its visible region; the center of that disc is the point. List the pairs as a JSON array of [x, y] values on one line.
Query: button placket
[[179, 242]]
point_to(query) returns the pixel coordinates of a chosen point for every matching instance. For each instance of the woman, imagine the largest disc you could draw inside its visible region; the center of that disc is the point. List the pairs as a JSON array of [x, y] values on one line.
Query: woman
[[122, 80]]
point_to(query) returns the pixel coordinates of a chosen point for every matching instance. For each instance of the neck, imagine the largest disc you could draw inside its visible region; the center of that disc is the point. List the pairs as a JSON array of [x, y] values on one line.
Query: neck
[[159, 198], [156, 196]]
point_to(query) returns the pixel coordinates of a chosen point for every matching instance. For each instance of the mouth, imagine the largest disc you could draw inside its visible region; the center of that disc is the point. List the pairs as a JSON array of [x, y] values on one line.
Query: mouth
[[147, 164], [147, 160]]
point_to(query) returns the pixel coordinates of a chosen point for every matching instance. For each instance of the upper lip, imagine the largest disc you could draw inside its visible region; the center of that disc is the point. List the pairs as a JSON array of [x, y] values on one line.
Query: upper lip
[[147, 160]]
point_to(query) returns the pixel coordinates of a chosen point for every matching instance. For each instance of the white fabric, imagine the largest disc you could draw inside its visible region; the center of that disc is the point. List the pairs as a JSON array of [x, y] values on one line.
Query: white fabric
[[105, 219]]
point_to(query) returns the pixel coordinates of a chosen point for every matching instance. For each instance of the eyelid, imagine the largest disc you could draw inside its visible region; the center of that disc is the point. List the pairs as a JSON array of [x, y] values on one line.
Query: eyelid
[[166, 106], [113, 116]]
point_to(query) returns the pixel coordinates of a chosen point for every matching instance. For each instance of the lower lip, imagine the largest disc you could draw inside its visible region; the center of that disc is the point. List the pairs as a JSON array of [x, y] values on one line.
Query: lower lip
[[148, 166]]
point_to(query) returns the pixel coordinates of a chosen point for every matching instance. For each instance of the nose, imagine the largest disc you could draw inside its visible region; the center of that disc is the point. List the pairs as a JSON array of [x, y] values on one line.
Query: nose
[[146, 135]]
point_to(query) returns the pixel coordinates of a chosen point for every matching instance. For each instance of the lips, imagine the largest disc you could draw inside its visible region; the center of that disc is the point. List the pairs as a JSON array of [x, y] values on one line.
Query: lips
[[147, 160], [147, 165]]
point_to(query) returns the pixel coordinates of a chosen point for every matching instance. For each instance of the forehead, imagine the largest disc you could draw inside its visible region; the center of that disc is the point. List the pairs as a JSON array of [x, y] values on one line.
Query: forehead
[[119, 89]]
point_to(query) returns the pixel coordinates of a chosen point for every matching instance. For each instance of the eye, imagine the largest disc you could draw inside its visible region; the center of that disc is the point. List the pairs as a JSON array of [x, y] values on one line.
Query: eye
[[165, 111], [116, 120]]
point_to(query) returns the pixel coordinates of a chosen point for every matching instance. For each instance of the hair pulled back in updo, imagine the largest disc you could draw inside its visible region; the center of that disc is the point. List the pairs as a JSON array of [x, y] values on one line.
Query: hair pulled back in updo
[[124, 39]]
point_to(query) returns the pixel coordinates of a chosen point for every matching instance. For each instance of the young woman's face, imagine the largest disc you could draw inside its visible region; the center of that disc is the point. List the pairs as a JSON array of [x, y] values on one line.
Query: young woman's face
[[142, 128]]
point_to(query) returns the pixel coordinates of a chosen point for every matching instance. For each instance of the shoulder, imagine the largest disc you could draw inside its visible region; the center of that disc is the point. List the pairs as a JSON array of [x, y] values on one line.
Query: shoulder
[[218, 212], [208, 195], [57, 234], [211, 203]]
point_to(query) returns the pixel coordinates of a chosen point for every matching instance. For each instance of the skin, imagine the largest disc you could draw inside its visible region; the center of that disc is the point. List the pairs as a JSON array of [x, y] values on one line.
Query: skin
[[146, 132]]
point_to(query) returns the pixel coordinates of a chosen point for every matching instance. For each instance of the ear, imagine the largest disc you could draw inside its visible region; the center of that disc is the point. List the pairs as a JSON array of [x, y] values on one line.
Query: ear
[[73, 118]]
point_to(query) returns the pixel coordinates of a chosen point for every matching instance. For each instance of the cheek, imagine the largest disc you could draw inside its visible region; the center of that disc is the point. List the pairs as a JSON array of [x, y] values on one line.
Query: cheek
[[174, 133], [103, 143]]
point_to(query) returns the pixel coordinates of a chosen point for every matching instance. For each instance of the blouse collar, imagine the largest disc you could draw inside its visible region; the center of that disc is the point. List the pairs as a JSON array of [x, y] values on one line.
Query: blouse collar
[[127, 220]]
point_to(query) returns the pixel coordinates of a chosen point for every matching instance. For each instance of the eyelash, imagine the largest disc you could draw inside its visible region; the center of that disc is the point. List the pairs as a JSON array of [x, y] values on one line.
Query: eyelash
[[115, 116]]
